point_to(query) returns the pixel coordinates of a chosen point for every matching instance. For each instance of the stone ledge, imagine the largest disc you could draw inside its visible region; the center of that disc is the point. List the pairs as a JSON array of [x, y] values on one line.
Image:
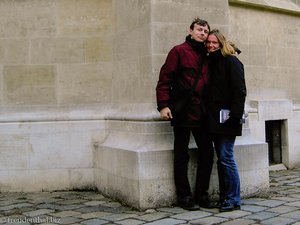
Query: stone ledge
[[275, 109], [272, 5], [119, 112]]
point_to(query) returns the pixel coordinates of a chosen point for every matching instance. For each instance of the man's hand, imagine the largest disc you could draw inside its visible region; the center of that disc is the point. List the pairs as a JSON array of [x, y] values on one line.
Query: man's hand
[[166, 114]]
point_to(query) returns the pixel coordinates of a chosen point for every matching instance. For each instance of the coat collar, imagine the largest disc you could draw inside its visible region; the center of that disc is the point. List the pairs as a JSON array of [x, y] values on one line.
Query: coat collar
[[215, 56], [199, 46]]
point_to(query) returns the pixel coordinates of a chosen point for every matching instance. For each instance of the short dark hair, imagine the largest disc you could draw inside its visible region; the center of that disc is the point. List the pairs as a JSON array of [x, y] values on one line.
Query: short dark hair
[[200, 22]]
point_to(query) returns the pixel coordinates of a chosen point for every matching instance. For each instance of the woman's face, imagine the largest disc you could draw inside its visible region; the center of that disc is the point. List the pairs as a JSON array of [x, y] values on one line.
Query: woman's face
[[212, 43]]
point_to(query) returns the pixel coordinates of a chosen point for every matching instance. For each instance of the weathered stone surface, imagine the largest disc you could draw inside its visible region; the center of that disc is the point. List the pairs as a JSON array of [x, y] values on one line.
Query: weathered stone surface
[[84, 17], [28, 18], [29, 85], [57, 50], [81, 84], [14, 51]]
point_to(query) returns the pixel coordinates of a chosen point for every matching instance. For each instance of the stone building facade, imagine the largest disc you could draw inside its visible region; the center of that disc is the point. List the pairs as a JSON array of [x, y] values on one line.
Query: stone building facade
[[77, 92]]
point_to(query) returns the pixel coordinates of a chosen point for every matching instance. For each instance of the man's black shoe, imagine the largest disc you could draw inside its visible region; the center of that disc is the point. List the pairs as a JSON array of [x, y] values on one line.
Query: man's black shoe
[[204, 202], [208, 205], [226, 207], [187, 203]]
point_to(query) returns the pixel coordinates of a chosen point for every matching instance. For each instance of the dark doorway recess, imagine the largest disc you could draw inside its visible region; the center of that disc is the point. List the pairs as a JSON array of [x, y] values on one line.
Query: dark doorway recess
[[274, 140]]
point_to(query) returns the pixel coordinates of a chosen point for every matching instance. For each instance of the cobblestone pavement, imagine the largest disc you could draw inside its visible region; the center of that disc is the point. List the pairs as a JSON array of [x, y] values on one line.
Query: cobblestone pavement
[[281, 206]]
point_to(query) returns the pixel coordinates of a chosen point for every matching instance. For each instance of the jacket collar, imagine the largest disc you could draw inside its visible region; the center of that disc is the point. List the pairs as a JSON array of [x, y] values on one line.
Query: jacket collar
[[215, 56], [199, 46]]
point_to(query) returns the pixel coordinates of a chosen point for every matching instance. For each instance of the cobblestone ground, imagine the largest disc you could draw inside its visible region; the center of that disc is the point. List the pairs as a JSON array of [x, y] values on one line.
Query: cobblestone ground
[[281, 206]]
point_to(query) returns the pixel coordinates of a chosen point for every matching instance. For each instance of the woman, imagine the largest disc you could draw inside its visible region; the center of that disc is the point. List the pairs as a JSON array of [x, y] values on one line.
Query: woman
[[227, 93]]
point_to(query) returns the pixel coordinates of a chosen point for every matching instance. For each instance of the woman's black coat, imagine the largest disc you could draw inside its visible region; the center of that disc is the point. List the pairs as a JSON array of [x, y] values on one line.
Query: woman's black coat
[[227, 90]]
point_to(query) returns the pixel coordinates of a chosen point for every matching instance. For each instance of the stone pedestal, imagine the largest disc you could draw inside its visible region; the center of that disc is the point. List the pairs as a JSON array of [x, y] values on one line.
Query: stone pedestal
[[135, 164]]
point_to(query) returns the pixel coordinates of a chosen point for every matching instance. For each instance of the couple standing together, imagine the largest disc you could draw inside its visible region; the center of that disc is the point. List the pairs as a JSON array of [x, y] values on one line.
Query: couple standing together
[[199, 79]]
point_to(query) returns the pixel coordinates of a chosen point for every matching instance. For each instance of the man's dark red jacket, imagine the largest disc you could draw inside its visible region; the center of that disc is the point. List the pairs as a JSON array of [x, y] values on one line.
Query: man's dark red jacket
[[178, 75]]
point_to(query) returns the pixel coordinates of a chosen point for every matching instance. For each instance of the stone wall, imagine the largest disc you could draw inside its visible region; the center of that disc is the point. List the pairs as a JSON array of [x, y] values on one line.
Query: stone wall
[[56, 84], [268, 34], [77, 91], [55, 53]]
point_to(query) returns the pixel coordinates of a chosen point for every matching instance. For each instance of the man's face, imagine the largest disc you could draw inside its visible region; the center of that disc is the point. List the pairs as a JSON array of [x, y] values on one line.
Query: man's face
[[199, 33], [212, 43]]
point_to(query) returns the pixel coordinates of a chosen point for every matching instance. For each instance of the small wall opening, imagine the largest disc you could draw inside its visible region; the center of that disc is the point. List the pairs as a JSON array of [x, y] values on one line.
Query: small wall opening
[[274, 140]]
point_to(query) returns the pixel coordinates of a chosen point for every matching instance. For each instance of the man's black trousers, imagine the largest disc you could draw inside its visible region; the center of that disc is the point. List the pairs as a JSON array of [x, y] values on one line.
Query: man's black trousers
[[205, 154]]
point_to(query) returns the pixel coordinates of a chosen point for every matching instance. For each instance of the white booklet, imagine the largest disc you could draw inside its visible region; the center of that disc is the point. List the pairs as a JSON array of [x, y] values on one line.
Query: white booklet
[[224, 115]]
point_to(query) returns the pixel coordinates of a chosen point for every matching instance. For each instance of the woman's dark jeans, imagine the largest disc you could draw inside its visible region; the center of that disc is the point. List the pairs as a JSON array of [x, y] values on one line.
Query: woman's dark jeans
[[229, 181]]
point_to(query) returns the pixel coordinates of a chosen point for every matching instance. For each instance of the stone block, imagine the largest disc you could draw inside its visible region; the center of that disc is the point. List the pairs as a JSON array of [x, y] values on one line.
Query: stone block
[[46, 141], [288, 57], [131, 15], [145, 182], [57, 50], [14, 51], [273, 109], [79, 84], [118, 162], [126, 48], [239, 18], [183, 12], [14, 148], [137, 162], [27, 18], [98, 49], [138, 139], [257, 55], [157, 192], [26, 85], [126, 73], [47, 180], [252, 161], [84, 17], [107, 183], [15, 180], [50, 155], [81, 178], [259, 84], [100, 177], [253, 167], [173, 34]]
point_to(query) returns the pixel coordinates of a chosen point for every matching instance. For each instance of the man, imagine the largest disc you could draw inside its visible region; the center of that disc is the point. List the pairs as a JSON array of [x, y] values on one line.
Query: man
[[182, 81]]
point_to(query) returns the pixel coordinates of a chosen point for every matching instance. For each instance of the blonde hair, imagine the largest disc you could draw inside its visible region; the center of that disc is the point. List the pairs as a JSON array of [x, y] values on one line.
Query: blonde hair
[[226, 47]]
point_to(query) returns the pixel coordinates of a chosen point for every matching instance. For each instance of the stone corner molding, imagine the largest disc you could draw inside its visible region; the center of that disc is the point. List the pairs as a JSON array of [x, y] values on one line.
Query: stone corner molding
[[280, 6]]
